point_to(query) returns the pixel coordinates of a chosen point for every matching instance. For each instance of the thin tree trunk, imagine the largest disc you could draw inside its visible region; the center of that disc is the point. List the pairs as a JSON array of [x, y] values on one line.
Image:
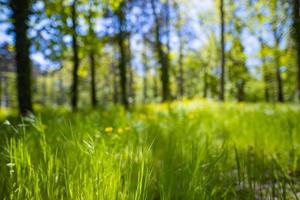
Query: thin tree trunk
[[180, 62], [131, 92], [122, 69], [145, 81], [155, 87], [265, 71], [222, 74], [163, 57], [93, 79], [92, 34], [121, 41], [296, 24], [61, 97], [74, 88], [280, 94], [267, 80], [240, 91], [20, 15], [205, 83], [115, 84]]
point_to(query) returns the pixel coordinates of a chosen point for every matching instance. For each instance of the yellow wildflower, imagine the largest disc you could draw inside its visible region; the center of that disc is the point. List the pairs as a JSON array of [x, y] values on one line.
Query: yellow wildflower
[[108, 129], [120, 130]]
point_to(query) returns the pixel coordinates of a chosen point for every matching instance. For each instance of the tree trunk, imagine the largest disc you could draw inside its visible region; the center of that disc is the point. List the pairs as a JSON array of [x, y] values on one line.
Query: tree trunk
[[74, 88], [265, 71], [93, 79], [122, 70], [92, 34], [155, 86], [131, 92], [115, 83], [145, 81], [267, 80], [296, 25], [222, 74], [240, 91], [180, 62], [121, 41], [20, 15], [205, 83], [163, 57], [280, 95], [61, 97]]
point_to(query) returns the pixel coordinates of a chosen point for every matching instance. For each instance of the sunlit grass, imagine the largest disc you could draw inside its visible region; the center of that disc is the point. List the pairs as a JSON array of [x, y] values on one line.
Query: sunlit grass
[[180, 150]]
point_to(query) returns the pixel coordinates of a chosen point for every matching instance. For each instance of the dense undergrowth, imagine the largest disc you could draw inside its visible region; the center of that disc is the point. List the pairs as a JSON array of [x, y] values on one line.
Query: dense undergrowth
[[183, 150]]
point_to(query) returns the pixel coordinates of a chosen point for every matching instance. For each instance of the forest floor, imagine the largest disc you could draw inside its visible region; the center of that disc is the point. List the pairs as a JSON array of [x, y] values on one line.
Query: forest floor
[[183, 150]]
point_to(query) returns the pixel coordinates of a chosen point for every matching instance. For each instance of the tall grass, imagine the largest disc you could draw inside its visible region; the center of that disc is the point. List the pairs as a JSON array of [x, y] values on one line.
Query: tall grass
[[183, 150]]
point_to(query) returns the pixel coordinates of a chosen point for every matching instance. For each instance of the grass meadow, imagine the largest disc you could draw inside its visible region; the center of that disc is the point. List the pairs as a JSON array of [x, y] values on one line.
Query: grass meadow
[[182, 150]]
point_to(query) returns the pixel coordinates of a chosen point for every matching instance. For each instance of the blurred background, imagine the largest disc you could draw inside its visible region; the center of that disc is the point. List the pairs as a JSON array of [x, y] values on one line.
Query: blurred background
[[77, 53]]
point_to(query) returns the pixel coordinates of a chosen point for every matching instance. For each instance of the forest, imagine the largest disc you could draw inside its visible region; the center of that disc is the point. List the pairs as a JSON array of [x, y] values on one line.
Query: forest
[[150, 99]]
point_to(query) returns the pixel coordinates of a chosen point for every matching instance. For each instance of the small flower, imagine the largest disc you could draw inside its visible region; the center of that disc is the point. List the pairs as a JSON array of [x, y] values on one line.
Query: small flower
[[120, 130], [7, 123], [108, 129]]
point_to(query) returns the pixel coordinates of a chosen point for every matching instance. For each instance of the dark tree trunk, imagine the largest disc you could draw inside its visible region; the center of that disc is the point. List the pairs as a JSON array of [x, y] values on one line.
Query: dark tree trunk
[[122, 70], [20, 15], [222, 74], [93, 79], [115, 84], [240, 91], [92, 34], [180, 62], [205, 83], [163, 57], [267, 91], [121, 41], [74, 88], [131, 92], [280, 94], [155, 87], [265, 71], [145, 88], [145, 81], [296, 27]]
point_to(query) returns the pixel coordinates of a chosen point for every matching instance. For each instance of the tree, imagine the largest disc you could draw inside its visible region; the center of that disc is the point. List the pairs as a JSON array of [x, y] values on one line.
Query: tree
[[163, 55], [237, 69], [92, 51], [75, 48], [179, 27], [222, 73], [121, 41], [145, 70], [20, 15], [296, 36], [131, 89], [278, 10], [256, 24]]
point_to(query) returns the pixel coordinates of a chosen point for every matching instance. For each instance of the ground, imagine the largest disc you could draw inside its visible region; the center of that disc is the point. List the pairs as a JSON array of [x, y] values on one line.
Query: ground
[[181, 150]]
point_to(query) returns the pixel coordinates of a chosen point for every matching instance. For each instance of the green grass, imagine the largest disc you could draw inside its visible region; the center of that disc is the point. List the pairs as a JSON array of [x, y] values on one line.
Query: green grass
[[187, 150]]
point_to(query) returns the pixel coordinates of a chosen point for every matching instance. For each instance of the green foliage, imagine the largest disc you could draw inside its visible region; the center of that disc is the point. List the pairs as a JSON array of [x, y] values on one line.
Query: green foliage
[[187, 150]]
